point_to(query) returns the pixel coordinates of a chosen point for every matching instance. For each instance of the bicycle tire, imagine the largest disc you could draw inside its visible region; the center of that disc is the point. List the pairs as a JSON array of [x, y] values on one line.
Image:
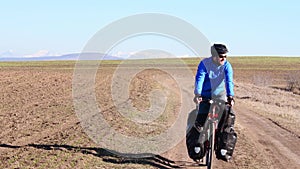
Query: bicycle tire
[[210, 152]]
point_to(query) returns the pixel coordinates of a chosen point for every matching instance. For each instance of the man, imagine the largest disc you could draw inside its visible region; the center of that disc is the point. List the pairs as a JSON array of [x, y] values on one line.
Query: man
[[214, 80]]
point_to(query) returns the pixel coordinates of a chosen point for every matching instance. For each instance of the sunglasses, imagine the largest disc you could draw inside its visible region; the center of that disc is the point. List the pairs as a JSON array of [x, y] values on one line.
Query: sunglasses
[[222, 56]]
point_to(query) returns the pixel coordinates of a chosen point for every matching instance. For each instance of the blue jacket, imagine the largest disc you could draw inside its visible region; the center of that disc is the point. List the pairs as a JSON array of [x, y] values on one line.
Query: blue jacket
[[213, 81]]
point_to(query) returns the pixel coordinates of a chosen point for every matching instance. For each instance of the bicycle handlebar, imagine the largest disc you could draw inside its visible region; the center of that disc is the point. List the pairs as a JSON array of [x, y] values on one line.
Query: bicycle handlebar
[[212, 101]]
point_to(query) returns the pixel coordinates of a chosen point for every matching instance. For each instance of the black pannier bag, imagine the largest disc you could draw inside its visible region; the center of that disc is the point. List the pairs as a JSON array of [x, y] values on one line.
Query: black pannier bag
[[194, 147], [226, 136]]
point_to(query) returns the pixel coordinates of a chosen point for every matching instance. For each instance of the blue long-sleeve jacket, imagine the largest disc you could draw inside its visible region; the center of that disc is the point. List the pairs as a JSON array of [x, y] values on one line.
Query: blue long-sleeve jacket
[[213, 81]]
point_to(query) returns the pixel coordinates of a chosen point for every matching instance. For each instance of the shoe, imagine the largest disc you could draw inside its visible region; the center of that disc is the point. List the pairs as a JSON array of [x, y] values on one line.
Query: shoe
[[197, 160], [226, 157]]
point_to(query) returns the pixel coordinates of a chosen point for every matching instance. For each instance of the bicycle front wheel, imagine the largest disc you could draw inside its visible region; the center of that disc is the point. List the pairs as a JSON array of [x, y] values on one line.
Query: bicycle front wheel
[[210, 151]]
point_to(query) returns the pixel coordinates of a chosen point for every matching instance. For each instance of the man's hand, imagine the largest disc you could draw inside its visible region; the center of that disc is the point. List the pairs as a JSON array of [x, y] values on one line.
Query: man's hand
[[230, 100], [197, 99]]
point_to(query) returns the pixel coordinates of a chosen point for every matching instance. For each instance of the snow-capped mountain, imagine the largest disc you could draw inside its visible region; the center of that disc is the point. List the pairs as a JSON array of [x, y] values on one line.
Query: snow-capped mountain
[[9, 56]]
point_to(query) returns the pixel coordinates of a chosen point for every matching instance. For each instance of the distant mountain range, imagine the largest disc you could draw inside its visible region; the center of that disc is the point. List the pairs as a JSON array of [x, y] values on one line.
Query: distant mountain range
[[73, 56]]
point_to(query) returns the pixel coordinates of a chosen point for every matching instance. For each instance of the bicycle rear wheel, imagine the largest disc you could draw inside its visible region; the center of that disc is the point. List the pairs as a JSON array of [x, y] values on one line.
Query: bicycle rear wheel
[[210, 151]]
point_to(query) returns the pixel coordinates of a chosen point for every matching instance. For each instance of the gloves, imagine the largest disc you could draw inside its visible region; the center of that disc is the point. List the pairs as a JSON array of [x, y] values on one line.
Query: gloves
[[197, 99], [230, 100]]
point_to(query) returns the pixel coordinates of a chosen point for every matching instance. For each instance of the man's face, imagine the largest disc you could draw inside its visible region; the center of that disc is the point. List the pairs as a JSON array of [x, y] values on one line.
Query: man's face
[[220, 60]]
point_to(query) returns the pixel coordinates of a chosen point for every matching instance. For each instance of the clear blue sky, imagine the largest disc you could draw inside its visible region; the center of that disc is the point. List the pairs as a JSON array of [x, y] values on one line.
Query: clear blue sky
[[256, 27]]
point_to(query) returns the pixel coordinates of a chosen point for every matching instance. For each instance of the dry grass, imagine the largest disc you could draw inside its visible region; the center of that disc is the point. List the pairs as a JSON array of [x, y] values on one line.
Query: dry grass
[[40, 128]]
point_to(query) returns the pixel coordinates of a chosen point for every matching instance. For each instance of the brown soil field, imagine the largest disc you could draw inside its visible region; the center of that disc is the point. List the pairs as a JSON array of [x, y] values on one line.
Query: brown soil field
[[40, 129]]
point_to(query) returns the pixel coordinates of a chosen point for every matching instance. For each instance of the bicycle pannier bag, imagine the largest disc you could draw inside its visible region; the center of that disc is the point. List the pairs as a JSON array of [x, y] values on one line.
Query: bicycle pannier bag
[[227, 137], [195, 149]]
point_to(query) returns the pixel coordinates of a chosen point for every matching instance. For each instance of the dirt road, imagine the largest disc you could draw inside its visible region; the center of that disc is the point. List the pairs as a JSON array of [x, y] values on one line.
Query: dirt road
[[261, 144]]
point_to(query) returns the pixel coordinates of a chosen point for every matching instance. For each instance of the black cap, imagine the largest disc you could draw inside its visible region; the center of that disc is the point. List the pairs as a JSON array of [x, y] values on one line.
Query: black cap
[[218, 49]]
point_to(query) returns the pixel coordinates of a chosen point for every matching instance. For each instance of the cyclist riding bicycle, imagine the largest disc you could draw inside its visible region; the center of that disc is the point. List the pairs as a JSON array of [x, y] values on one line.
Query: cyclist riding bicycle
[[214, 80]]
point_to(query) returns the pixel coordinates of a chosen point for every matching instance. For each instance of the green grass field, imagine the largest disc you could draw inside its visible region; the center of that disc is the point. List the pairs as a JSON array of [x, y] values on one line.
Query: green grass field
[[242, 62]]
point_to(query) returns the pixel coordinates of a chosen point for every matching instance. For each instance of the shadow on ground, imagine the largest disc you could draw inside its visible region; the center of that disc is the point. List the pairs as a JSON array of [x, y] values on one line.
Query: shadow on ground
[[115, 157], [107, 155]]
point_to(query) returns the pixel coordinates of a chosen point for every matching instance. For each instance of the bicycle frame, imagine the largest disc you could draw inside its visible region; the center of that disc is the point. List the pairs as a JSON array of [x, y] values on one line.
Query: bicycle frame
[[211, 126], [212, 120]]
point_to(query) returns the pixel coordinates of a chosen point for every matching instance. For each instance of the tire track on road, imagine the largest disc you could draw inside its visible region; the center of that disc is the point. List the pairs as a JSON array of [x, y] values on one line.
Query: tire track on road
[[279, 146]]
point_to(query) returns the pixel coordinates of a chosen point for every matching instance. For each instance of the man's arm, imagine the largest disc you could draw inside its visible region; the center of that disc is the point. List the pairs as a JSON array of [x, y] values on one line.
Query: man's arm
[[199, 78], [229, 79]]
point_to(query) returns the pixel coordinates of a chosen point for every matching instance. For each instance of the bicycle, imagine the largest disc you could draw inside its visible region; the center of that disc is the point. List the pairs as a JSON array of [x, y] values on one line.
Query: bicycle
[[211, 127]]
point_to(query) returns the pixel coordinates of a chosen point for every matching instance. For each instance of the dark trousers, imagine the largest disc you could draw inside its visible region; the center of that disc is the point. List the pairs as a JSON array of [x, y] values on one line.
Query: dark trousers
[[205, 108]]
